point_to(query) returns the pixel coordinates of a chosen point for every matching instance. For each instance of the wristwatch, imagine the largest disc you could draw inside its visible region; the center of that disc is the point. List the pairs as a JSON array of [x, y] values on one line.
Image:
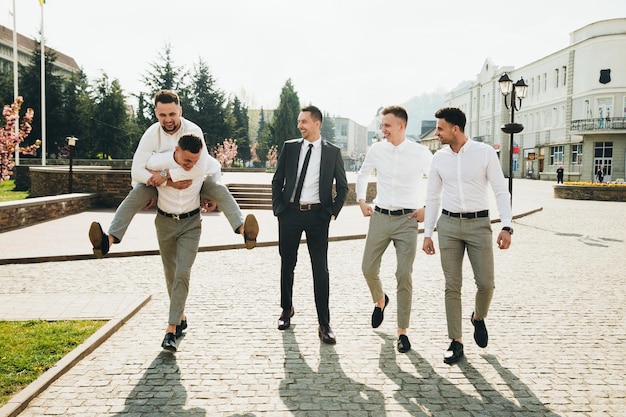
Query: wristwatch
[[508, 229], [164, 176]]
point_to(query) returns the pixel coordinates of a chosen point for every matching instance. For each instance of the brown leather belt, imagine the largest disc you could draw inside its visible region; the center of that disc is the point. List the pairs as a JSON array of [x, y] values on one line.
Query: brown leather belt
[[305, 207]]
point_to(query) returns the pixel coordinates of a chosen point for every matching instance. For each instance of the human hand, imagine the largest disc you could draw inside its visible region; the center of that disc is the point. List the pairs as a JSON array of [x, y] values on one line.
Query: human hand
[[504, 239], [428, 247], [418, 214], [180, 185], [366, 209], [208, 205]]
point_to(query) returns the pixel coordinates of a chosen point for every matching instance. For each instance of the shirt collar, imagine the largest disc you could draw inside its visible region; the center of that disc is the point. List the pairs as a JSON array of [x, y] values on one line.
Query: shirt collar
[[316, 144]]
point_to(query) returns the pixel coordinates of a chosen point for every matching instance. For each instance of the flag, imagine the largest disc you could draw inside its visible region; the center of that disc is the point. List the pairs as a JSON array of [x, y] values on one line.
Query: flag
[[42, 2]]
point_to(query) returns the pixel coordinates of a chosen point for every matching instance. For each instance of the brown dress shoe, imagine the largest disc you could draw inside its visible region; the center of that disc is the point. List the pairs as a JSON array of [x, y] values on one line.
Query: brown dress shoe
[[99, 240], [250, 231], [326, 334], [284, 320]]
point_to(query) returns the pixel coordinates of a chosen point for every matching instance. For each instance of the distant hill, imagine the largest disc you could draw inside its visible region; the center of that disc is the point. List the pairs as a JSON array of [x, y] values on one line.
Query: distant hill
[[422, 107]]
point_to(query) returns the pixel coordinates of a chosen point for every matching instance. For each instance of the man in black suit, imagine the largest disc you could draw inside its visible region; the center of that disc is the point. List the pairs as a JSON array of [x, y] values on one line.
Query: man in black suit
[[303, 201]]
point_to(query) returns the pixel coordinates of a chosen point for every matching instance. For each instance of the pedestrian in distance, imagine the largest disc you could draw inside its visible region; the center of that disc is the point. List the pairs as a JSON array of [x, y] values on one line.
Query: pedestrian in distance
[[458, 181], [559, 174], [399, 163], [304, 201]]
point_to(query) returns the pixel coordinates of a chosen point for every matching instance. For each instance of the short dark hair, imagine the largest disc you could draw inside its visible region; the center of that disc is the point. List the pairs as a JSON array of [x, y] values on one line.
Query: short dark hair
[[166, 97], [398, 111], [316, 114], [190, 142], [452, 115]]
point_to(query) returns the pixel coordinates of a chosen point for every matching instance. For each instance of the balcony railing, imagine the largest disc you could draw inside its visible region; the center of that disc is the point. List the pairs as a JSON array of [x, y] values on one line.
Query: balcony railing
[[599, 124]]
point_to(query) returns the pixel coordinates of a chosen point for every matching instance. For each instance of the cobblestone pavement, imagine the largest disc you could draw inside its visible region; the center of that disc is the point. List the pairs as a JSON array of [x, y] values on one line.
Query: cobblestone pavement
[[557, 333]]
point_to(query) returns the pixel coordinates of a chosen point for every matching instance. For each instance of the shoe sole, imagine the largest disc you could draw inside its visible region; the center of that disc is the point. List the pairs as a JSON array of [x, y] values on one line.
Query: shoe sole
[[251, 231], [169, 348], [95, 236]]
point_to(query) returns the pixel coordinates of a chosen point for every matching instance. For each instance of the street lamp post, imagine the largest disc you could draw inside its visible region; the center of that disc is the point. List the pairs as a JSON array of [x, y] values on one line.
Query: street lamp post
[[517, 92], [71, 142]]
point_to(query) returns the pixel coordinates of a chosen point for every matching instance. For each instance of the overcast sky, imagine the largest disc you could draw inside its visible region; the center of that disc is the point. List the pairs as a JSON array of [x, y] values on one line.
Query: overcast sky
[[347, 57]]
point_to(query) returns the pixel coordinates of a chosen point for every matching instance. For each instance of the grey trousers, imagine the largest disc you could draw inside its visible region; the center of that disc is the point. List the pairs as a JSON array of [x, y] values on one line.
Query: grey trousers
[[455, 236], [141, 194], [402, 231], [178, 245]]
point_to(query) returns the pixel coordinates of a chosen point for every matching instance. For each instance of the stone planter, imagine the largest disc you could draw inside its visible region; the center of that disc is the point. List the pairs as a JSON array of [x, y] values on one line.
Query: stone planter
[[591, 192]]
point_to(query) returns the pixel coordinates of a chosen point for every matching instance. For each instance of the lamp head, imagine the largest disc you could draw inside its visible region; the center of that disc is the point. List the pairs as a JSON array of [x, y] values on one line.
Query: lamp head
[[506, 84]]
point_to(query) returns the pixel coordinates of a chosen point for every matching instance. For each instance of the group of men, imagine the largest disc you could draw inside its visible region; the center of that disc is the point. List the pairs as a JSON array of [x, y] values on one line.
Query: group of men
[[171, 162]]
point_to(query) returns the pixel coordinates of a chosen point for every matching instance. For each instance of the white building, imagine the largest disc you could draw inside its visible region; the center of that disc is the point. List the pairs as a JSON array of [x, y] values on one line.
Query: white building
[[351, 138], [574, 113]]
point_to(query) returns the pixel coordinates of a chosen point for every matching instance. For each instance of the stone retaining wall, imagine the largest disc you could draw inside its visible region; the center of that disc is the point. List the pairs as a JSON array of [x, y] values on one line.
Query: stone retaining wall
[[22, 213], [590, 192]]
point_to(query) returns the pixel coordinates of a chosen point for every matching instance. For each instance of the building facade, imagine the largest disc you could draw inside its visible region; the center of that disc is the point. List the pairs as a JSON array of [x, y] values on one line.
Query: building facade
[[574, 112], [63, 66], [351, 138]]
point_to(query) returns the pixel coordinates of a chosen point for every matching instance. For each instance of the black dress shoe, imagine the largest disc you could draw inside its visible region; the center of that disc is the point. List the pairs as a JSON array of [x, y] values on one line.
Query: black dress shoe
[[326, 334], [99, 240], [169, 342], [379, 314], [480, 332], [454, 353], [403, 344], [180, 328], [284, 321]]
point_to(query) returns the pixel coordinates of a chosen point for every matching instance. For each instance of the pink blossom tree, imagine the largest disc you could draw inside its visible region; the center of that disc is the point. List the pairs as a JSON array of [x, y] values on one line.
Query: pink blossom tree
[[10, 141], [272, 156], [225, 153]]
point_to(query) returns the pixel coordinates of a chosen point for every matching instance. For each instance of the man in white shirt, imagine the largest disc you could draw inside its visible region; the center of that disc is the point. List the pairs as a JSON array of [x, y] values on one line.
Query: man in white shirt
[[458, 182], [161, 137], [399, 164], [178, 226]]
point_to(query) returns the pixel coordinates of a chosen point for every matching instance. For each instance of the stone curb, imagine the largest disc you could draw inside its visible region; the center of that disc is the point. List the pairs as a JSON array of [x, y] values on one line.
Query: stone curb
[[20, 401]]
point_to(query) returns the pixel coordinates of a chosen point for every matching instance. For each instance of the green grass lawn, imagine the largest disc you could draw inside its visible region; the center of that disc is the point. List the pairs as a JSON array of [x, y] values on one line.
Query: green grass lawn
[[7, 193], [30, 348]]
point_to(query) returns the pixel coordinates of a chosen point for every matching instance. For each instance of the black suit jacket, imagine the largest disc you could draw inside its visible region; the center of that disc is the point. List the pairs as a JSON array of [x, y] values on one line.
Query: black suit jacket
[[331, 170]]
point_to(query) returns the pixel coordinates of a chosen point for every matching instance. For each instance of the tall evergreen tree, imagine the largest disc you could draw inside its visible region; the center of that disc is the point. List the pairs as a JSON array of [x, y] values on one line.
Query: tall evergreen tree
[[203, 104], [115, 140], [78, 110], [328, 128], [163, 74], [285, 124], [240, 129]]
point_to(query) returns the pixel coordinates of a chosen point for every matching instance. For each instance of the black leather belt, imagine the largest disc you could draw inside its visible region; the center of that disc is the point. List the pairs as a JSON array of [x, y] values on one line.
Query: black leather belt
[[305, 207], [483, 213], [393, 212], [178, 216]]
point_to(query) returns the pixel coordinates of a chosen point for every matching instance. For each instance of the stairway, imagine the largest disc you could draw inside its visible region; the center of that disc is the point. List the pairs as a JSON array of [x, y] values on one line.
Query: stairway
[[252, 196]]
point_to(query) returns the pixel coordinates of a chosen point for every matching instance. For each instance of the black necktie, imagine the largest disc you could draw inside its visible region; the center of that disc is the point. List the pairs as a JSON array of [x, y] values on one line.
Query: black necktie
[[296, 198]]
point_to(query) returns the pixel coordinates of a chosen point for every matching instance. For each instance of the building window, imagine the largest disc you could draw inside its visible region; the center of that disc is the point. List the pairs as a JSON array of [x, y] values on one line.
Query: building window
[[577, 154], [564, 76], [538, 83], [556, 78], [545, 82], [556, 155]]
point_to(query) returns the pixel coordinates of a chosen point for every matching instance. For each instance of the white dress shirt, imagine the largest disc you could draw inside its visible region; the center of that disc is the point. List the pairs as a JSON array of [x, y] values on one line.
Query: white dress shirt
[[311, 186], [398, 173], [172, 200], [458, 183]]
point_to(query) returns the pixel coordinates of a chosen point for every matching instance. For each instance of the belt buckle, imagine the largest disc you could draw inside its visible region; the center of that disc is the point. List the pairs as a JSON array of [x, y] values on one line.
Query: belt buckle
[[175, 217], [305, 207]]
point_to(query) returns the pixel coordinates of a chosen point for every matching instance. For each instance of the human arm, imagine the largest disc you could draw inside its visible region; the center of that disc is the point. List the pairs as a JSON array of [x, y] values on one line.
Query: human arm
[[362, 181]]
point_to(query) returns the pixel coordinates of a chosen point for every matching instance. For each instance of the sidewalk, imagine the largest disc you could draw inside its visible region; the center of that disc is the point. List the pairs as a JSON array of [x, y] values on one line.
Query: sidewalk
[[556, 334]]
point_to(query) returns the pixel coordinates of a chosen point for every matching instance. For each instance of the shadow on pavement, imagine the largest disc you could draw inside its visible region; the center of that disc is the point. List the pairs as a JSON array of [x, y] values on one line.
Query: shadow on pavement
[[425, 392], [159, 392], [308, 392]]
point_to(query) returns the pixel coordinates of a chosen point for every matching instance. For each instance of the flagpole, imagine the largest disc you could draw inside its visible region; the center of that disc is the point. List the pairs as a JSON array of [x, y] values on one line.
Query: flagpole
[[43, 90], [15, 89]]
